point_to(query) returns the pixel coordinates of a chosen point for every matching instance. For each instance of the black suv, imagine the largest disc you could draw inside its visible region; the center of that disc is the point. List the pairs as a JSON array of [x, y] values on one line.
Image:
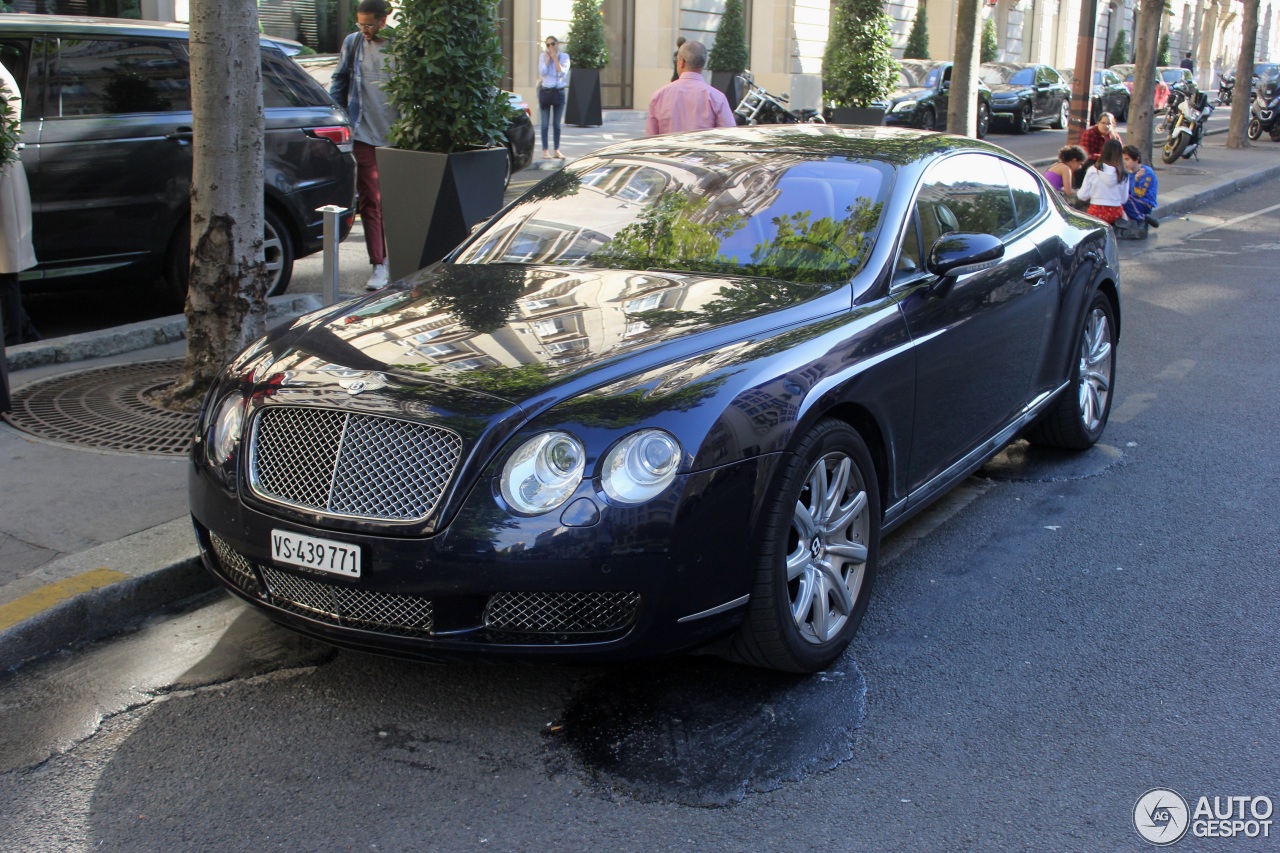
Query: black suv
[[107, 133]]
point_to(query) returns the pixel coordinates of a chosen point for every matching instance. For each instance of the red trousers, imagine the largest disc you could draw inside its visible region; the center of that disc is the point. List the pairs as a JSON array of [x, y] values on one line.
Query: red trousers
[[369, 202], [1106, 213]]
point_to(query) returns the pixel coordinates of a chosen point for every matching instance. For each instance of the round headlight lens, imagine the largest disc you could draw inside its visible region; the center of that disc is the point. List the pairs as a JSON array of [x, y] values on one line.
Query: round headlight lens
[[640, 466], [227, 422], [543, 472]]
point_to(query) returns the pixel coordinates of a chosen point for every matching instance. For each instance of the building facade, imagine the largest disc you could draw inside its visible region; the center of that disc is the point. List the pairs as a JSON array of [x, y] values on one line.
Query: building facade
[[786, 37]]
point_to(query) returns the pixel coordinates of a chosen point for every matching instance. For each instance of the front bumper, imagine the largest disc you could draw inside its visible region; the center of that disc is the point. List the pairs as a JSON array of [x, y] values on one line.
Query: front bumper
[[589, 582]]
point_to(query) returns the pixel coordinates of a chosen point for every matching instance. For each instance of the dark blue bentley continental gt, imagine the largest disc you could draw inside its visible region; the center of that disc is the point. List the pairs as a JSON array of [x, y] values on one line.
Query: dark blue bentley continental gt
[[670, 398]]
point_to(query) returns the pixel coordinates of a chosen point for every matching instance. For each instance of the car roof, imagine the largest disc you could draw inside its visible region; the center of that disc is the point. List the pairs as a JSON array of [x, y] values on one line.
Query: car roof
[[890, 144], [40, 25]]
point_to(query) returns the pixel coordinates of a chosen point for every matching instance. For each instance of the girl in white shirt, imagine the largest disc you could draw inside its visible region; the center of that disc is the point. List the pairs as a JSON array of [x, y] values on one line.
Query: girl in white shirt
[[1106, 184]]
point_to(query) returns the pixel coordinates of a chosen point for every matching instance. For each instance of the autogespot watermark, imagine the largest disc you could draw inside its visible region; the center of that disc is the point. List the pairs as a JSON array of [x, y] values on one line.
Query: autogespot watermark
[[1163, 817]]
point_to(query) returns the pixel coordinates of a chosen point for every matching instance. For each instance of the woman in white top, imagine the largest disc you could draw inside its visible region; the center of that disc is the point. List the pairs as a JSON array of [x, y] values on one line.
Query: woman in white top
[[1106, 184], [553, 78]]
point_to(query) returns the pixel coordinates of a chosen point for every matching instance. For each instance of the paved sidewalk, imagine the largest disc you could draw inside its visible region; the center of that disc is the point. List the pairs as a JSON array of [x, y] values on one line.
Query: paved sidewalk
[[92, 541]]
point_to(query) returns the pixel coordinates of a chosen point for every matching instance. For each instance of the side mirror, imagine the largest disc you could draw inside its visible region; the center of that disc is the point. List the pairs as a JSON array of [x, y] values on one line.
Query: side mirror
[[958, 253]]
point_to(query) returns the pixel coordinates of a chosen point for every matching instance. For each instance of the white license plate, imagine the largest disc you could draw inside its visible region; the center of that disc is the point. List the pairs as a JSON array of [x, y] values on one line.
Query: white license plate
[[310, 552]]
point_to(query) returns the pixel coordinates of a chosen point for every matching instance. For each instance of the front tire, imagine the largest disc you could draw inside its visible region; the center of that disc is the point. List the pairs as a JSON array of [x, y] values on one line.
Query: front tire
[[1173, 148], [984, 120], [818, 548], [1275, 133], [1080, 413], [1255, 129], [1022, 122], [928, 120]]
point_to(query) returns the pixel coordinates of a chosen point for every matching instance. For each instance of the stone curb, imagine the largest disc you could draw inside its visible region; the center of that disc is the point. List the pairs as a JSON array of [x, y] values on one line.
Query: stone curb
[[150, 570], [134, 336]]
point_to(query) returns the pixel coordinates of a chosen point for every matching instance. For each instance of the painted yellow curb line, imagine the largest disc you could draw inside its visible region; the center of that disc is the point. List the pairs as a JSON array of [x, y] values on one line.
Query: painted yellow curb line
[[47, 596]]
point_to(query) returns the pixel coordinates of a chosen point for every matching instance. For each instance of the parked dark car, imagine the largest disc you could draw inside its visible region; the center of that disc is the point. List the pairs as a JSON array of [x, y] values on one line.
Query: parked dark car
[[922, 95], [107, 130], [518, 139], [1107, 94], [674, 394], [1125, 73], [1024, 95]]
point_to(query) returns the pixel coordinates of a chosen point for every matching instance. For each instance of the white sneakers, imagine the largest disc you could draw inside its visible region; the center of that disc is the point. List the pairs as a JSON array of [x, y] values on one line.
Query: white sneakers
[[378, 279]]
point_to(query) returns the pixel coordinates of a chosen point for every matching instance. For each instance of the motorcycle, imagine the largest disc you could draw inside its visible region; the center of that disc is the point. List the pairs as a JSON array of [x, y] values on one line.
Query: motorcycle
[[758, 106], [1226, 83], [1264, 113], [1185, 120]]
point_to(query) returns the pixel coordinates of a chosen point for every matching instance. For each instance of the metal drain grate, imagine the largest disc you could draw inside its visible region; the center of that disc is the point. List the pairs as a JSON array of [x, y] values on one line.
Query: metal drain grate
[[106, 408]]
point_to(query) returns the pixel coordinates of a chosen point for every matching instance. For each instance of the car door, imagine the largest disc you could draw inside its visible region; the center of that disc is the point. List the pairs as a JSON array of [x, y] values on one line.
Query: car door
[[114, 165], [1048, 97], [979, 344], [943, 95]]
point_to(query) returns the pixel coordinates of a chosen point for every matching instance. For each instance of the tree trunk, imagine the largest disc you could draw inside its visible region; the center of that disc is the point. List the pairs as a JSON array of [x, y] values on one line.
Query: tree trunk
[[1204, 47], [1082, 76], [1142, 104], [1238, 126], [226, 303], [962, 112]]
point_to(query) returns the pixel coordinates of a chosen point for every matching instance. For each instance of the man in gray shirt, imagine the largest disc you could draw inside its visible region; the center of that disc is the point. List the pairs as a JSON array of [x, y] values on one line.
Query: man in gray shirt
[[358, 85]]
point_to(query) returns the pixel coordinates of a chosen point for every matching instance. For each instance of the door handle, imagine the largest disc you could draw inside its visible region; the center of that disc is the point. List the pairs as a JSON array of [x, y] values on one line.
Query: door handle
[[1035, 275], [182, 134]]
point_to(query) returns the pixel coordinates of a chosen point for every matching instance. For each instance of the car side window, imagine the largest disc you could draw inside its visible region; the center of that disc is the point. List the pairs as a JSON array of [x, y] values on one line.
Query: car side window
[[1028, 200], [969, 193], [118, 76]]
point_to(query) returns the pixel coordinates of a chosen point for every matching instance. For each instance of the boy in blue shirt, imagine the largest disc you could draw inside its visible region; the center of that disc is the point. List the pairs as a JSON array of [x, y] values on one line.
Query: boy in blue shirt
[[1142, 196]]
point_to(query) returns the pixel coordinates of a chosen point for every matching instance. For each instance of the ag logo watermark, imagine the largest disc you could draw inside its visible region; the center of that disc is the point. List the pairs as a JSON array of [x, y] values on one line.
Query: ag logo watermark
[[1162, 817]]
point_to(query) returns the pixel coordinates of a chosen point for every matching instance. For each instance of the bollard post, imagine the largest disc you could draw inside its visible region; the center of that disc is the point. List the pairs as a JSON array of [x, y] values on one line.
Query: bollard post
[[330, 270]]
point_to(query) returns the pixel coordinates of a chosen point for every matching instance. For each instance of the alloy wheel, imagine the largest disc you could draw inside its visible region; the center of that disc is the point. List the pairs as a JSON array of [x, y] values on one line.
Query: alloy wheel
[[827, 548], [273, 252], [1095, 369]]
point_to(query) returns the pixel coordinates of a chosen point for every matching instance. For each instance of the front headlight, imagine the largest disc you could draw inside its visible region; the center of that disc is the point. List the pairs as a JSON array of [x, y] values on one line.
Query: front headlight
[[543, 472], [227, 422], [903, 107], [640, 466]]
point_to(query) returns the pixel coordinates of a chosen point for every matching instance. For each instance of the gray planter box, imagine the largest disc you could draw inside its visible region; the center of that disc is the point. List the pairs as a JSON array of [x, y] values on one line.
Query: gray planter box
[[857, 115], [582, 106], [430, 201]]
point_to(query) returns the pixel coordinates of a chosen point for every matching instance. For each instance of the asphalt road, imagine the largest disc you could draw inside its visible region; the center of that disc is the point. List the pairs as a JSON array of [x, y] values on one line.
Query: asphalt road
[[1059, 637]]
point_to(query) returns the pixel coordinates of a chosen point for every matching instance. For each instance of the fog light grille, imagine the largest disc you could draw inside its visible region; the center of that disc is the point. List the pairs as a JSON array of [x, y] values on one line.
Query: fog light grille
[[236, 568], [385, 612], [561, 612]]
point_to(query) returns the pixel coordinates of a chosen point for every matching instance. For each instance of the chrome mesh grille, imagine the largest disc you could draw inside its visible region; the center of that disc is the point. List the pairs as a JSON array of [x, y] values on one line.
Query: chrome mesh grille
[[353, 608], [561, 612], [237, 569], [351, 464]]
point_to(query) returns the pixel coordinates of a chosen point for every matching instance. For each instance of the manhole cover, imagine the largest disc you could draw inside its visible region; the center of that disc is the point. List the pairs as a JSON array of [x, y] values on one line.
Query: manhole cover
[[106, 408]]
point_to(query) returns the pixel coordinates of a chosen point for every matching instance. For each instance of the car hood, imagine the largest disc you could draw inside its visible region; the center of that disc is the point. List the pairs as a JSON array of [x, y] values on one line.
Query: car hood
[[1005, 90], [529, 336], [912, 93]]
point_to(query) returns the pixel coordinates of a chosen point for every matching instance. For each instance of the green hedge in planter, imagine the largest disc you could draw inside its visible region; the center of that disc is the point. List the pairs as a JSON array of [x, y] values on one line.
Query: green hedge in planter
[[858, 65], [730, 52], [446, 88], [587, 47]]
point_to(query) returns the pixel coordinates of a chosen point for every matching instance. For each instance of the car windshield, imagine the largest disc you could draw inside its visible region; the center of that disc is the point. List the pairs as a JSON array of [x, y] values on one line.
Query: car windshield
[[918, 75], [791, 216], [1171, 75], [996, 75], [1125, 72]]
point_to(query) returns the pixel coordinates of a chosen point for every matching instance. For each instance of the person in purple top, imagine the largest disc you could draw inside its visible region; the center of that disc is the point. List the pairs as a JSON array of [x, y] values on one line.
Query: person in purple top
[[689, 103], [1062, 173]]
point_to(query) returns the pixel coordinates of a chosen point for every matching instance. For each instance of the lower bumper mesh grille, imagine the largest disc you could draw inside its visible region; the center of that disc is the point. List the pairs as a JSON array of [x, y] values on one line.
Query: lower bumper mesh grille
[[353, 608], [235, 568], [561, 612]]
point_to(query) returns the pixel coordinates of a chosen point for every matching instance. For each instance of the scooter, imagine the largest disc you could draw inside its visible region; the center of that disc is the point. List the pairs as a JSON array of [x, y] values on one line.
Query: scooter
[[1226, 83], [760, 107], [1264, 113], [1186, 126]]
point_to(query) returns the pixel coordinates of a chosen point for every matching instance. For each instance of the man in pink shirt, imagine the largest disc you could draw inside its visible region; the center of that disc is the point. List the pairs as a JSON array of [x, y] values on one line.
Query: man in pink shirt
[[689, 103]]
